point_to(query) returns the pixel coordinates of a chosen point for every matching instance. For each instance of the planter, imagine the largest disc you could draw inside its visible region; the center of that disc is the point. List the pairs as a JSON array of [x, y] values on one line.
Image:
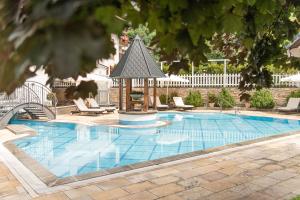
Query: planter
[[136, 97], [247, 104], [211, 105]]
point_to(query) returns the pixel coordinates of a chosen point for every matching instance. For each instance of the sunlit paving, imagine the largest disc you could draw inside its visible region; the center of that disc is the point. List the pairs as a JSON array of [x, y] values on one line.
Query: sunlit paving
[[165, 100]]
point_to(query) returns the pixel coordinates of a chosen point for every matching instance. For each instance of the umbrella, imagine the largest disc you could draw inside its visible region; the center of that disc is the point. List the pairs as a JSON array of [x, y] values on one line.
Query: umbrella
[[172, 78], [293, 78], [95, 77], [40, 77]]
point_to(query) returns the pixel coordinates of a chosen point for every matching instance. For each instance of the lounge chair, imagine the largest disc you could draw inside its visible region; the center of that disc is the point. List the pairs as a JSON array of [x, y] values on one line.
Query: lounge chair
[[84, 109], [93, 104], [158, 103], [179, 104], [292, 105]]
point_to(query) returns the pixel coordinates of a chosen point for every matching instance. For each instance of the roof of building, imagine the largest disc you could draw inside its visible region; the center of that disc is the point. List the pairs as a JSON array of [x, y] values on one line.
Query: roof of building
[[137, 62]]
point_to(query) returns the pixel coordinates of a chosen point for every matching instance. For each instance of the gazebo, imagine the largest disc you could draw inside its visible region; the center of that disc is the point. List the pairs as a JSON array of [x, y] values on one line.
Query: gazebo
[[136, 63]]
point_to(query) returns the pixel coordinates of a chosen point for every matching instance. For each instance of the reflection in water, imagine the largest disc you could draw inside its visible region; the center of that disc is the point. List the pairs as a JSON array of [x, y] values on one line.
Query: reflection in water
[[71, 149]]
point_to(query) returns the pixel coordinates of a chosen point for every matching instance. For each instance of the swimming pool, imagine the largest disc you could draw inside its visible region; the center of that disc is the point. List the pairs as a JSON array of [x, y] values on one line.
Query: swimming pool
[[68, 149]]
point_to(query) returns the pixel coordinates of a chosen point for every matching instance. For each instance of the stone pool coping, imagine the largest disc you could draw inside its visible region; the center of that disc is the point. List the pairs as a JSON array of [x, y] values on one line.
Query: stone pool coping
[[51, 180]]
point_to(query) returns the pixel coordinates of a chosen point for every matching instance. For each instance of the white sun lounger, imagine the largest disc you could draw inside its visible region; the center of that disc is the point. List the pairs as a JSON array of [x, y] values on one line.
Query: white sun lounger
[[84, 109], [179, 103], [159, 105], [292, 105], [93, 104]]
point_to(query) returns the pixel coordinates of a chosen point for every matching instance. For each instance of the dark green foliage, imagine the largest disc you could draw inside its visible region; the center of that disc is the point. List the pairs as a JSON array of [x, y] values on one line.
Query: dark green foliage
[[262, 99], [194, 98], [225, 100], [66, 37], [245, 97], [295, 94], [212, 98], [163, 97]]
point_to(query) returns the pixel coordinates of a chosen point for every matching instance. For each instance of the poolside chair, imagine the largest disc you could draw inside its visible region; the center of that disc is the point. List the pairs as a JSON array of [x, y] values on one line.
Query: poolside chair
[[292, 105], [84, 109], [93, 104], [179, 104], [159, 105]]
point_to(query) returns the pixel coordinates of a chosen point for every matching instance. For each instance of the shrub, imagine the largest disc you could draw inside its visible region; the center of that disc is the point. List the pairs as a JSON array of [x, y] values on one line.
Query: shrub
[[194, 98], [173, 94], [163, 97], [294, 94], [225, 100], [212, 98], [262, 99]]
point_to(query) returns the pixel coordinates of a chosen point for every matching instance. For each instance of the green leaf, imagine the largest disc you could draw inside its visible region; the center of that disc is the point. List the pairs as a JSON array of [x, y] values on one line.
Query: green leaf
[[232, 23], [251, 2]]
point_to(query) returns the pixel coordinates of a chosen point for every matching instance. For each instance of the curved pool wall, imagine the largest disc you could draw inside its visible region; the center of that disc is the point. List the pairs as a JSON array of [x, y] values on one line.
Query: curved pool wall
[[68, 149], [137, 119]]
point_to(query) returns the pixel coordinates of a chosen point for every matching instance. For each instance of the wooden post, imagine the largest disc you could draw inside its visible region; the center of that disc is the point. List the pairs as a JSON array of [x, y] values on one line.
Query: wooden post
[[146, 95], [154, 94], [128, 91], [120, 94]]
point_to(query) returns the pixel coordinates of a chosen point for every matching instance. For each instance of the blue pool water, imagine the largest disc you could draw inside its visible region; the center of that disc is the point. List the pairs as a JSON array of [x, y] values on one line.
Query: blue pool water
[[68, 149]]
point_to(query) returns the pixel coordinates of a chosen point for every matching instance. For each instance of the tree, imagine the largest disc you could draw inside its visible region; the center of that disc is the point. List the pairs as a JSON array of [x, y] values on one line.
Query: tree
[[143, 31], [66, 37]]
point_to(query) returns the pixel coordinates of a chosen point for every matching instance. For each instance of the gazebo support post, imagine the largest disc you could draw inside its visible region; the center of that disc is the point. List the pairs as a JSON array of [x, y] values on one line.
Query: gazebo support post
[[120, 94], [146, 94], [154, 94], [128, 91]]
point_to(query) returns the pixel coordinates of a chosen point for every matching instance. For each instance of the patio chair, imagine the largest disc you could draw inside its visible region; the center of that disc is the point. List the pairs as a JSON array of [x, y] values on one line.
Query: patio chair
[[84, 109], [93, 104], [159, 105], [179, 104], [292, 105]]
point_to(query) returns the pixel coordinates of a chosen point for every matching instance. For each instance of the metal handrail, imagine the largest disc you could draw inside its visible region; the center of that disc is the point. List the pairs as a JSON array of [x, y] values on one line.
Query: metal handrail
[[236, 110], [30, 92]]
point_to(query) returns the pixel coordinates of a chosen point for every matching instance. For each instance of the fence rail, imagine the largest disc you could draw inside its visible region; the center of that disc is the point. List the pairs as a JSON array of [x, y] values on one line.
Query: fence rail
[[209, 80], [198, 80]]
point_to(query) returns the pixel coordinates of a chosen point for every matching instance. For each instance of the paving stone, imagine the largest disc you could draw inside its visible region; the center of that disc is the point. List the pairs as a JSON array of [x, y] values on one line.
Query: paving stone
[[114, 183], [192, 182], [219, 185], [109, 194], [165, 180], [282, 174], [165, 190], [194, 194], [138, 187], [141, 195], [265, 181], [164, 172], [272, 167], [213, 176]]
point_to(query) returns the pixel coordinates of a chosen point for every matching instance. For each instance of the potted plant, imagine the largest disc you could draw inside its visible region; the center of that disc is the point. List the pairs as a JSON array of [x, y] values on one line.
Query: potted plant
[[245, 98], [211, 99], [136, 95]]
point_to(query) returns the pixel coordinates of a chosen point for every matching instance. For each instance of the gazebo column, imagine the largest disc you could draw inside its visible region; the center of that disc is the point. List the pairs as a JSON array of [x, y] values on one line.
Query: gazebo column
[[154, 94], [128, 91], [146, 94], [120, 94]]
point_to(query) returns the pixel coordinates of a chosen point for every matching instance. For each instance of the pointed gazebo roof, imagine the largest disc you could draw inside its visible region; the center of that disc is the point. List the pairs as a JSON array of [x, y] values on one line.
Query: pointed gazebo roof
[[137, 63]]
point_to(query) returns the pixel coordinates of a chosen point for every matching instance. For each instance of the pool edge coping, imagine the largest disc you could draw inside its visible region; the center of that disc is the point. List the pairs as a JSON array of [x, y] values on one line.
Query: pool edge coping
[[52, 180]]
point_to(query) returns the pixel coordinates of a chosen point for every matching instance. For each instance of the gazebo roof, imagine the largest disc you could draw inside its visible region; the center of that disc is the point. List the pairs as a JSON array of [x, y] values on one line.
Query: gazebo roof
[[137, 63]]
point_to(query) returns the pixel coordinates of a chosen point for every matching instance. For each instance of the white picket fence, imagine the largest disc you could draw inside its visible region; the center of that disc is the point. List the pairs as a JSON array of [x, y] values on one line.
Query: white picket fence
[[198, 80], [209, 80]]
